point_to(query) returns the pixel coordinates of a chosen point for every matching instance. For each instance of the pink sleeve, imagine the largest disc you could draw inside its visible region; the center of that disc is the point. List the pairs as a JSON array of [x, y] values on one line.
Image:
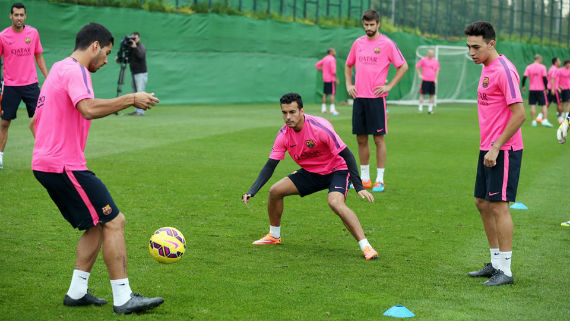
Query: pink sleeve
[[279, 147], [420, 63], [327, 134], [78, 87], [319, 64], [437, 65], [38, 45], [395, 56], [509, 86], [1, 47], [351, 59]]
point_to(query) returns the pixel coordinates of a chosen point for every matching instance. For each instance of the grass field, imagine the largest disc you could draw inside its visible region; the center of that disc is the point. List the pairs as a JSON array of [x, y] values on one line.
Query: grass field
[[187, 166]]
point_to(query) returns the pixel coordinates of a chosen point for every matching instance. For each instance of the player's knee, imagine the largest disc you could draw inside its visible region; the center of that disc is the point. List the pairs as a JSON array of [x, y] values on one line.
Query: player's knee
[[275, 191], [335, 202], [480, 203], [4, 124], [116, 224], [362, 140]]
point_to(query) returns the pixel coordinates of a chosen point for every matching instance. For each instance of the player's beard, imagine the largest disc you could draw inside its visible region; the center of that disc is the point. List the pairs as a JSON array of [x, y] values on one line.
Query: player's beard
[[371, 33]]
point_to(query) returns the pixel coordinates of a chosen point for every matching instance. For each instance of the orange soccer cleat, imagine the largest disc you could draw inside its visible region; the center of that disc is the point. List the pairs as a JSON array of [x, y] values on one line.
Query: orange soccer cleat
[[267, 240], [369, 253]]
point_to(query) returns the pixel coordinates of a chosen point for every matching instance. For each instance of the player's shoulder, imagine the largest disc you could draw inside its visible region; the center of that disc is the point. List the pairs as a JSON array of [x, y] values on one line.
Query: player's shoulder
[[5, 31], [29, 28], [318, 122]]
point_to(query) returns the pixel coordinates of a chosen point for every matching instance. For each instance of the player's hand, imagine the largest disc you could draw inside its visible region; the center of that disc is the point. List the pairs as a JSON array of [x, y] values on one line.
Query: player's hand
[[562, 132], [552, 92], [351, 91], [490, 159], [337, 82], [145, 100], [245, 198], [523, 89], [364, 194], [380, 90]]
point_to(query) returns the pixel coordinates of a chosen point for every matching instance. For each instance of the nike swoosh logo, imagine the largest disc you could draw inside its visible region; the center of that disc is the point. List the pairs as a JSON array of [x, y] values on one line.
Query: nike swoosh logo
[[291, 146], [493, 194], [338, 187], [83, 278], [507, 258], [173, 243], [379, 130]]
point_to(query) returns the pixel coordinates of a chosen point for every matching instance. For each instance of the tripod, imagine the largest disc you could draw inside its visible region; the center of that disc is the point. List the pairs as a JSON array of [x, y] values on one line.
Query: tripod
[[121, 80]]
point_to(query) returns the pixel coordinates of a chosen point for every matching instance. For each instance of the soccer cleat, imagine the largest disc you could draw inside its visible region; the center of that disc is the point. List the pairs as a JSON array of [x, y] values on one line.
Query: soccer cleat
[[546, 123], [565, 224], [367, 184], [486, 272], [335, 113], [378, 187], [369, 253], [538, 120], [533, 124], [87, 299], [499, 278], [267, 240], [138, 303]]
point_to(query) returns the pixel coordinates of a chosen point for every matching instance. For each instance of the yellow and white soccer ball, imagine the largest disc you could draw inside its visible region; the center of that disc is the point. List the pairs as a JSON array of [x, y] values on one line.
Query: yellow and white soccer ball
[[167, 245]]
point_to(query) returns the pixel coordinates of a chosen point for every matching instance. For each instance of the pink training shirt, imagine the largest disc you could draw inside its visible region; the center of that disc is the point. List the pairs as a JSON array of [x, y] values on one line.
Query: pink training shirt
[[429, 68], [372, 59], [315, 148], [535, 72], [498, 88], [563, 75], [328, 66], [19, 50], [551, 74], [61, 130]]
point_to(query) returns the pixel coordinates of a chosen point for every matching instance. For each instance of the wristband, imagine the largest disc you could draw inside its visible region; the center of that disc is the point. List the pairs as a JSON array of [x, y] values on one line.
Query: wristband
[[134, 99]]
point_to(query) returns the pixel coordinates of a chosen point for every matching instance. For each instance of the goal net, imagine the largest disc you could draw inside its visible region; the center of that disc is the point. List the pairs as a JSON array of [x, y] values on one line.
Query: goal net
[[458, 76]]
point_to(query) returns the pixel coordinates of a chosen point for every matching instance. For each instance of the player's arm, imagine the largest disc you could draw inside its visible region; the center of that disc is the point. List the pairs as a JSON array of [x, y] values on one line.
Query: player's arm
[[348, 79], [545, 81], [418, 71], [98, 108], [523, 83], [348, 157], [400, 71], [436, 76], [552, 84], [264, 175], [33, 125], [513, 125], [41, 64]]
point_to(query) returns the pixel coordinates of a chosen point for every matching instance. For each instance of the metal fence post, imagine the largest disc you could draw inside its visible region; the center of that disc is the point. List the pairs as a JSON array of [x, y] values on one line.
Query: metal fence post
[[531, 18], [522, 19]]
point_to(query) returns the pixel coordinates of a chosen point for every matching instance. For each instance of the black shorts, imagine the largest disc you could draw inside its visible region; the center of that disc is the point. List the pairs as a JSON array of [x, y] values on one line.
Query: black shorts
[[427, 88], [536, 97], [13, 95], [329, 88], [81, 197], [499, 183], [369, 116], [565, 95], [309, 183], [555, 99]]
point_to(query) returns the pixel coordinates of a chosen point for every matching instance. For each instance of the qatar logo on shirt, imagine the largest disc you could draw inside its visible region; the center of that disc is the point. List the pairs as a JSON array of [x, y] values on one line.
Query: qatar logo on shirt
[[485, 82], [28, 40], [310, 143]]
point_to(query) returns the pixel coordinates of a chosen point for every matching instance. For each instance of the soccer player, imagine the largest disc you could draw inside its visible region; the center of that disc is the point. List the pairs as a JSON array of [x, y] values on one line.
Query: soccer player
[[328, 67], [430, 71], [60, 125], [325, 162], [563, 75], [19, 46], [372, 55], [536, 72], [552, 90], [501, 114]]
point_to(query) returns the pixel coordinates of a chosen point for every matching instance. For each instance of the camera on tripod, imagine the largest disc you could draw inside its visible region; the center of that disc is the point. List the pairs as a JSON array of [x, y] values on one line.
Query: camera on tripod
[[125, 49]]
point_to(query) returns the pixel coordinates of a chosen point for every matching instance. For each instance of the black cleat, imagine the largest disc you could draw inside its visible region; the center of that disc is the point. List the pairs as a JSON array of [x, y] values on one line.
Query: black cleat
[[499, 278], [87, 299], [486, 272], [138, 303]]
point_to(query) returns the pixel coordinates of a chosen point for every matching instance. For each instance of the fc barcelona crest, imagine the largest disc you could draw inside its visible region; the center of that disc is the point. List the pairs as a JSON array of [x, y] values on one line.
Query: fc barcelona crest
[[107, 209], [376, 50], [28, 40], [310, 143], [485, 82]]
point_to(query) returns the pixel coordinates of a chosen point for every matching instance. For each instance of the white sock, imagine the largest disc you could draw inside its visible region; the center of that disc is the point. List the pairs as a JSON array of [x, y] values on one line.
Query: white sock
[[421, 107], [78, 286], [430, 108], [121, 291], [539, 116], [380, 175], [333, 107], [275, 231], [323, 108], [365, 172], [506, 262], [495, 258], [363, 243]]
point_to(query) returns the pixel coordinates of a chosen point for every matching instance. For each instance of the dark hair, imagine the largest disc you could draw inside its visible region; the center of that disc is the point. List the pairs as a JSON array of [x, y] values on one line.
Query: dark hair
[[136, 33], [481, 28], [93, 32], [17, 5], [330, 50], [554, 60], [370, 15], [567, 61], [290, 98]]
